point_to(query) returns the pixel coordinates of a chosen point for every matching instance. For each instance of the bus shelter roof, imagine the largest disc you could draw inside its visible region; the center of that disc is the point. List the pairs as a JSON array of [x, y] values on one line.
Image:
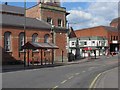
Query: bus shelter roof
[[39, 45]]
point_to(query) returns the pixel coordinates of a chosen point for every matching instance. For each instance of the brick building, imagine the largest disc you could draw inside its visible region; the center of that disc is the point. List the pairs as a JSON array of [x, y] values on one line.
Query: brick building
[[109, 32], [39, 24]]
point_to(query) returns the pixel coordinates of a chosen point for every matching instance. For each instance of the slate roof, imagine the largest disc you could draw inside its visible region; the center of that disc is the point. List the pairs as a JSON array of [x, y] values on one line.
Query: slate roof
[[12, 9], [13, 20], [39, 45], [115, 20]]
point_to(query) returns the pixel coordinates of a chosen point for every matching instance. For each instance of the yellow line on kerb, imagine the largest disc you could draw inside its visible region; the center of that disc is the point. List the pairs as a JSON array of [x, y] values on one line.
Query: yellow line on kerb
[[94, 81]]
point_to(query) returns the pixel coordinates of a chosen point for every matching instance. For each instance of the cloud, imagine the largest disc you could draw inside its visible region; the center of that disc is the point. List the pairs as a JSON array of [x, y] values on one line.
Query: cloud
[[97, 13], [89, 0]]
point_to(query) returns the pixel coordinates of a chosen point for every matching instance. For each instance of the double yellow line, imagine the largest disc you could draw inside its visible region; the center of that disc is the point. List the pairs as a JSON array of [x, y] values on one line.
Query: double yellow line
[[94, 81], [92, 85]]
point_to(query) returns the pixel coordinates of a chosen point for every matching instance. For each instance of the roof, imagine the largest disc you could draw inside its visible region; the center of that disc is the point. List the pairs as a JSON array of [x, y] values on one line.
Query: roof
[[12, 9], [72, 33], [13, 20], [109, 28], [115, 20], [37, 45]]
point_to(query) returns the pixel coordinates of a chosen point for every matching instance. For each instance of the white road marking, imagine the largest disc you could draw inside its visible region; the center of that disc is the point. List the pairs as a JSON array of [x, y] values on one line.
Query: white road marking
[[63, 81], [71, 77], [83, 71], [77, 73]]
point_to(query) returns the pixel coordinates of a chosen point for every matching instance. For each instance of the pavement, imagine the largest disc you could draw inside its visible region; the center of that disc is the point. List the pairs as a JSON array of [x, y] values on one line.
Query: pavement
[[10, 68], [108, 79]]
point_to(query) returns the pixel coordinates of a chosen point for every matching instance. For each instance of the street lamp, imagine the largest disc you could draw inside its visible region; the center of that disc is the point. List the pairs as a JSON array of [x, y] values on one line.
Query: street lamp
[[24, 32], [52, 33]]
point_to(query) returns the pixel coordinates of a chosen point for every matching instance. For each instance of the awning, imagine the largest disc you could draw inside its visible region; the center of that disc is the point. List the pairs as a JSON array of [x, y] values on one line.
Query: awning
[[37, 45], [87, 48]]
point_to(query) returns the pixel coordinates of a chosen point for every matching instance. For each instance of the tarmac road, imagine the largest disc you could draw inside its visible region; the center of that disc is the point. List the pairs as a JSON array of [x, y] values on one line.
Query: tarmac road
[[69, 76]]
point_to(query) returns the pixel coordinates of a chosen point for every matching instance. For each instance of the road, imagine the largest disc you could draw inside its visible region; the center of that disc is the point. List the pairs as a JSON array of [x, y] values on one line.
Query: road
[[69, 76]]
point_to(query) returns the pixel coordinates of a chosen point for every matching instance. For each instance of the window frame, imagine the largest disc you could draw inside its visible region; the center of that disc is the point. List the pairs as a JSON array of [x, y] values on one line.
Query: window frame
[[21, 41], [51, 20], [60, 23], [7, 42], [46, 38], [35, 37]]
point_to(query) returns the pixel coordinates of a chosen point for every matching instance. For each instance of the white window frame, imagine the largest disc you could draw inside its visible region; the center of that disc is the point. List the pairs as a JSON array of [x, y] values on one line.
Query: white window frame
[[35, 37], [7, 42], [60, 23], [46, 38], [51, 21], [21, 40]]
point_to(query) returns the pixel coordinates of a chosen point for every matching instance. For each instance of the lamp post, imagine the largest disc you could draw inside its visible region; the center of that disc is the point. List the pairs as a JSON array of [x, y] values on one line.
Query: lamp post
[[24, 32], [52, 33]]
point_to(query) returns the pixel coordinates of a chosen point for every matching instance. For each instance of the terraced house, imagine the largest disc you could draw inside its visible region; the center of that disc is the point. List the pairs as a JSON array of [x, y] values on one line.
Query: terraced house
[[43, 23]]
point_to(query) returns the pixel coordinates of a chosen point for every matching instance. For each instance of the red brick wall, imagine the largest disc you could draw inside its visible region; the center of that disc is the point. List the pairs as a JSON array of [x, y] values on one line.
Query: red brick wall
[[60, 42], [110, 33], [55, 15], [43, 14], [95, 31], [33, 12]]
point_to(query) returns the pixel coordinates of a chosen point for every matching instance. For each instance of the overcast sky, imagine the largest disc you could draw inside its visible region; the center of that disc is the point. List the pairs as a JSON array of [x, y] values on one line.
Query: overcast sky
[[84, 13]]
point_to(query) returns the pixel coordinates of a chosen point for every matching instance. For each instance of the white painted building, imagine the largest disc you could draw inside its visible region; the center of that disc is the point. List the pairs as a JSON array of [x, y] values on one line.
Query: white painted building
[[99, 44]]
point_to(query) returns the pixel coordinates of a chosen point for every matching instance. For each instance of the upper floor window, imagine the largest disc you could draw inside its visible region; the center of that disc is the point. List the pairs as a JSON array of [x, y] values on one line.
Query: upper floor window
[[114, 38], [46, 38], [93, 42], [7, 41], [111, 38], [59, 23], [21, 41], [49, 20], [85, 43], [35, 37], [73, 43]]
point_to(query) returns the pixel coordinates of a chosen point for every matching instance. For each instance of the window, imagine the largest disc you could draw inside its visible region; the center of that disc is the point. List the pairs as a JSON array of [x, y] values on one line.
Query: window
[[93, 41], [49, 20], [85, 43], [111, 38], [7, 41], [116, 37], [59, 23], [46, 38], [34, 37], [73, 43], [21, 41]]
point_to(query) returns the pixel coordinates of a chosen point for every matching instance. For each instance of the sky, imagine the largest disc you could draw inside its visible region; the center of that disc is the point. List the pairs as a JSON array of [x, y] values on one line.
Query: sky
[[85, 13]]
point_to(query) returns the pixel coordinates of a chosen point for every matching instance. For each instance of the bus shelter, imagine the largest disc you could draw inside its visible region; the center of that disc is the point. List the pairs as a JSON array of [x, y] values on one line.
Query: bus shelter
[[40, 47]]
